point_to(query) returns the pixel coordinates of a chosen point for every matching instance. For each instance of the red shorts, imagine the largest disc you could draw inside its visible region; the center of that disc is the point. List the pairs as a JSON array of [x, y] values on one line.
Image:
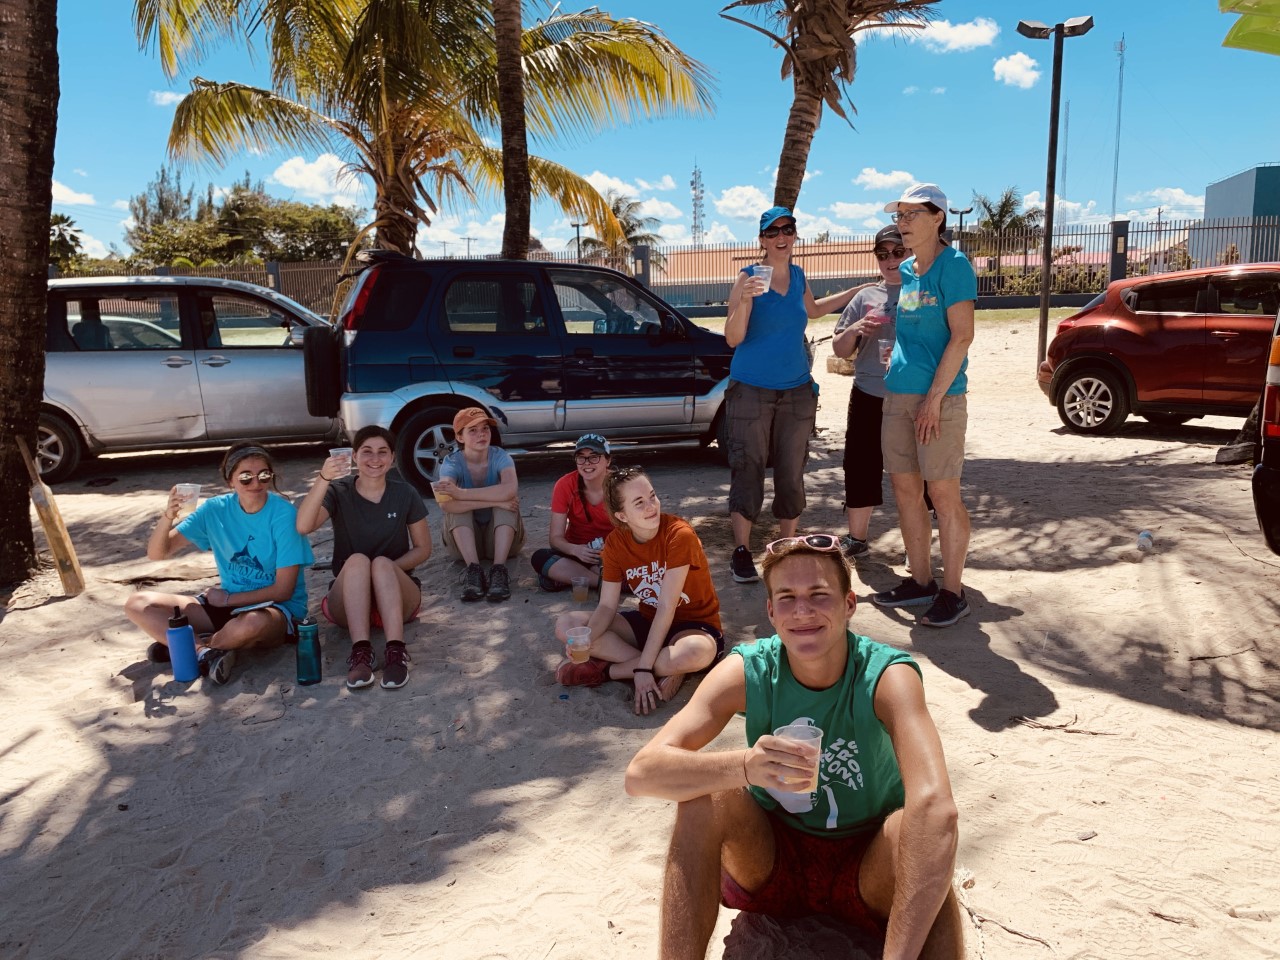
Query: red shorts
[[375, 618], [810, 875]]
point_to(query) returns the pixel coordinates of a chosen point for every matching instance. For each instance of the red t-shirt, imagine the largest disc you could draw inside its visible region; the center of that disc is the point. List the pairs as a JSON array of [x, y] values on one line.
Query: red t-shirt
[[586, 520], [643, 566]]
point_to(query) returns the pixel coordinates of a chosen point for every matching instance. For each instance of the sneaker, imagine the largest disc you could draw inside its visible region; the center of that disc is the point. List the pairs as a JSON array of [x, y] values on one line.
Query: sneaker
[[158, 652], [743, 567], [472, 583], [906, 594], [217, 664], [590, 674], [395, 666], [853, 548], [360, 665], [551, 586], [946, 610], [499, 584]]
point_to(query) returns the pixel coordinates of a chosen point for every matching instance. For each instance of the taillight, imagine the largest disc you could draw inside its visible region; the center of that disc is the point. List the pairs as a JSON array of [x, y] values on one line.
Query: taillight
[[1271, 408], [351, 319]]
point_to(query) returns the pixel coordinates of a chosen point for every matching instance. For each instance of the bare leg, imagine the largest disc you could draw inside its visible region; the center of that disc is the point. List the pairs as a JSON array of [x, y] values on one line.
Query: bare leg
[[464, 538], [397, 597], [788, 528], [913, 518], [741, 530], [151, 611], [351, 597], [503, 537], [859, 519], [565, 569], [953, 531], [253, 628]]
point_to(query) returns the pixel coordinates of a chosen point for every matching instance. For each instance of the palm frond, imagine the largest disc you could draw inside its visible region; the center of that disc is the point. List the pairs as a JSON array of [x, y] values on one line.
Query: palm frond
[[218, 120]]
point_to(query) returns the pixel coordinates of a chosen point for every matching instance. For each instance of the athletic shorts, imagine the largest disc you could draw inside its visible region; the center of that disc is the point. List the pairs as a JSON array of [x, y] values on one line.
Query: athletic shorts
[[375, 618], [811, 875], [221, 616], [640, 625], [941, 458]]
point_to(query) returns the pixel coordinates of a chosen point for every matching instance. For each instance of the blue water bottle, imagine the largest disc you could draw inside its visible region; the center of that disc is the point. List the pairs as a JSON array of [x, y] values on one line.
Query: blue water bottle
[[182, 647], [308, 652]]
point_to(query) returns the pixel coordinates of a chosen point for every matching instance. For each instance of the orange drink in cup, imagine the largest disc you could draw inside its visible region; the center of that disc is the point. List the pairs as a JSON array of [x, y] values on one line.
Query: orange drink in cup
[[581, 589], [797, 795], [578, 643]]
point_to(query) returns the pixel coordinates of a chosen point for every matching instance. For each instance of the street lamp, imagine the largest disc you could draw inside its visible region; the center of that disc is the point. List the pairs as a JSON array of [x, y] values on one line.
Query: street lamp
[[1075, 27], [961, 214], [577, 237]]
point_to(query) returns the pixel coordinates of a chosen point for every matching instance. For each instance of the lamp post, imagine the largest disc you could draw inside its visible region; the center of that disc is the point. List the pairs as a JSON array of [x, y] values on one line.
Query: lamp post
[[1075, 27], [961, 214], [577, 237]]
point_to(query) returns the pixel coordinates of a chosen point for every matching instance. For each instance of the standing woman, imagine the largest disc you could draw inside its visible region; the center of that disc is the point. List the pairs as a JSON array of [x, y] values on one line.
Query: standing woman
[[926, 412], [380, 535], [260, 557], [772, 400], [579, 519]]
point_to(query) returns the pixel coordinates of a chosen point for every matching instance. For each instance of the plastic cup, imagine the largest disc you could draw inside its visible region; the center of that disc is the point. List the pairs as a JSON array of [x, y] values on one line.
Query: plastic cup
[[346, 453], [578, 642], [188, 499], [800, 798], [765, 274], [886, 351], [440, 496], [581, 589]]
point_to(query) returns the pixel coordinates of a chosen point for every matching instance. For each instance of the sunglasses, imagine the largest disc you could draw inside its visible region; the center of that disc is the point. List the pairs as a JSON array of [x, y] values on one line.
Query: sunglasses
[[825, 542], [898, 253], [262, 476], [906, 216], [587, 458], [789, 230]]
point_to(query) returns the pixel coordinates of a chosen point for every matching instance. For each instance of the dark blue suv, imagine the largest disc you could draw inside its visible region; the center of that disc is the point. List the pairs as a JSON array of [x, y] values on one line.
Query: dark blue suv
[[551, 350]]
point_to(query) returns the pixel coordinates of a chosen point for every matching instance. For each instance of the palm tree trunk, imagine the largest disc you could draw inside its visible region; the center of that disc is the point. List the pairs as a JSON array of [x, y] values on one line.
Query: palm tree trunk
[[802, 124], [28, 118], [507, 30]]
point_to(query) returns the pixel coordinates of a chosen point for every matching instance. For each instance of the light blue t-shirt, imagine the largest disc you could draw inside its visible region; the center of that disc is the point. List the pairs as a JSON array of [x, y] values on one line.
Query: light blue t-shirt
[[922, 330], [248, 548], [454, 466], [772, 356]]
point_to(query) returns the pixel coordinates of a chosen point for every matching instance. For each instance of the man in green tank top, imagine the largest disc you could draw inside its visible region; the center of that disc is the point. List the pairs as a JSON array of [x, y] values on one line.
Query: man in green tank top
[[871, 839]]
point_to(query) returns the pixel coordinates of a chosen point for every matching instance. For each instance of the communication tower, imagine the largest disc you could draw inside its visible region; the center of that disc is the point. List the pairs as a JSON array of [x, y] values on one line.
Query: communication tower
[[698, 193]]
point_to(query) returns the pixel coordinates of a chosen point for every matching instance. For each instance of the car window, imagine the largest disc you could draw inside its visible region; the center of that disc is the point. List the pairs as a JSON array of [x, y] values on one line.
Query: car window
[[92, 324], [1177, 296], [232, 322], [1254, 296], [494, 306], [594, 304]]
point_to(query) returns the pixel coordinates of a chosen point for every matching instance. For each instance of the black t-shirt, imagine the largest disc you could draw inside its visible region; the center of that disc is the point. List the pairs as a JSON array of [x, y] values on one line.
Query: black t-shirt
[[375, 529]]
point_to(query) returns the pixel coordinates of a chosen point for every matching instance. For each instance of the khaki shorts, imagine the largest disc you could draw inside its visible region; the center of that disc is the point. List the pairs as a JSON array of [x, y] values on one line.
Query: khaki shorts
[[483, 532], [941, 458]]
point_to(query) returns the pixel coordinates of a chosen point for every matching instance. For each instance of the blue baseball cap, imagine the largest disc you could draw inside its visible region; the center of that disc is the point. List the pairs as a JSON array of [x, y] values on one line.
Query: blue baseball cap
[[592, 441], [772, 214]]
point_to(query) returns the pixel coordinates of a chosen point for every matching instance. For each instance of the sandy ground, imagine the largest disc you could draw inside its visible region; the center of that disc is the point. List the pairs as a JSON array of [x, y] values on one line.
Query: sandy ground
[[1110, 727]]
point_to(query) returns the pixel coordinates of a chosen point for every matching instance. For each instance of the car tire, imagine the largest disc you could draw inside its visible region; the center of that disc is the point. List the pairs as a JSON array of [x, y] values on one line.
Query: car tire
[[719, 435], [58, 448], [1166, 419], [322, 371], [1093, 401], [423, 441]]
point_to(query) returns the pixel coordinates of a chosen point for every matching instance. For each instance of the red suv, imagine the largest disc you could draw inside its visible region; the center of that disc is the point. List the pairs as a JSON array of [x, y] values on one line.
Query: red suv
[[1169, 348]]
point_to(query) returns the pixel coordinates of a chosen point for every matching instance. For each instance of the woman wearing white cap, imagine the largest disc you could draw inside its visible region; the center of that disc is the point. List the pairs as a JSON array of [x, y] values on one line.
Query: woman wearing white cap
[[925, 412]]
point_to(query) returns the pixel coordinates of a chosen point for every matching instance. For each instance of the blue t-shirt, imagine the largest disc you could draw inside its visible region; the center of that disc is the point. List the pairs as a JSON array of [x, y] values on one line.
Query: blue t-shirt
[[249, 547], [922, 329], [454, 466], [772, 355]]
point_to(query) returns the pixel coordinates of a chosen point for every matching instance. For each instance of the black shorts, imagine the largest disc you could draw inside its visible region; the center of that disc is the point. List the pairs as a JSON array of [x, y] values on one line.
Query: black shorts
[[221, 616], [640, 625]]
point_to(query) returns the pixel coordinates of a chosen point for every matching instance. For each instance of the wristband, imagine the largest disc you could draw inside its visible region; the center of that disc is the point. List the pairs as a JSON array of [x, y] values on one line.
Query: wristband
[[648, 670]]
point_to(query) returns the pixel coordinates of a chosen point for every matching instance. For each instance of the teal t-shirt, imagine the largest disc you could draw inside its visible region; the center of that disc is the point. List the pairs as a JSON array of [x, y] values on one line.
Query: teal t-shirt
[[858, 783], [772, 355], [248, 548], [922, 329]]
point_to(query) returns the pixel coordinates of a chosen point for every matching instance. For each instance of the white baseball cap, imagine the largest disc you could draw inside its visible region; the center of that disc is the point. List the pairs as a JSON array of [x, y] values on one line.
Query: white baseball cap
[[920, 193]]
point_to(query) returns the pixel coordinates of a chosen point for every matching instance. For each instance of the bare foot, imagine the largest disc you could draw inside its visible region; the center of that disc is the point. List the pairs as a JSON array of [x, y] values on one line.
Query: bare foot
[[670, 686]]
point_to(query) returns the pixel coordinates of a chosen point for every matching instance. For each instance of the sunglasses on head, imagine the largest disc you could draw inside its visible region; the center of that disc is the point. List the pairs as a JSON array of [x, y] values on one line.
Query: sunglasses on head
[[818, 541], [897, 253], [789, 230], [587, 457], [262, 476]]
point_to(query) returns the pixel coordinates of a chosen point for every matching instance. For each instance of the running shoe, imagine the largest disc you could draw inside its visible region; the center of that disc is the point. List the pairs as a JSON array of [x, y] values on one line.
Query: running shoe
[[395, 666], [360, 665], [590, 674], [743, 567], [946, 610], [499, 583], [907, 594], [853, 548], [473, 584]]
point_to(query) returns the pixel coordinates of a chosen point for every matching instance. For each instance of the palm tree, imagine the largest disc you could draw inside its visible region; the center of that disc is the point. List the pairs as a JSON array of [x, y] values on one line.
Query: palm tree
[[817, 38], [507, 28], [64, 241], [1003, 224], [637, 229], [29, 93], [410, 91]]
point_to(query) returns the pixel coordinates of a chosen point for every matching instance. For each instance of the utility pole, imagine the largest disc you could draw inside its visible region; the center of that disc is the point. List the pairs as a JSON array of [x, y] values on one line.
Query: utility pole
[[1115, 170], [444, 248], [1066, 140], [468, 239]]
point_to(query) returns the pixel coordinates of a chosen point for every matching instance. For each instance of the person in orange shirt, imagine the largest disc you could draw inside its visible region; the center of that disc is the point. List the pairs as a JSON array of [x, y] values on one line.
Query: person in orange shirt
[[675, 629]]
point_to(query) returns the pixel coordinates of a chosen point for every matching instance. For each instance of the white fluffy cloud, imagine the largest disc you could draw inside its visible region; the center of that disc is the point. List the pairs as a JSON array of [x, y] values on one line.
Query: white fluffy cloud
[[676, 234], [660, 209], [718, 233], [1017, 70], [447, 236], [1170, 202], [1066, 211], [166, 98], [938, 90], [666, 183], [119, 204], [82, 173], [855, 211], [910, 91], [603, 182], [744, 202], [322, 180], [64, 194], [92, 246], [872, 179], [943, 36]]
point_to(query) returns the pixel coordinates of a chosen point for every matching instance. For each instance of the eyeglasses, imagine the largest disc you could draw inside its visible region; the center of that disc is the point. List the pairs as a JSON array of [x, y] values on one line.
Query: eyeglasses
[[906, 216], [825, 542], [897, 253], [789, 230], [262, 476], [582, 458]]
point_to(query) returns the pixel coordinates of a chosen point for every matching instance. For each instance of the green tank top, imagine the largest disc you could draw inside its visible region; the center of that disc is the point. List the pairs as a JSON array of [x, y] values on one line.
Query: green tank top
[[859, 783]]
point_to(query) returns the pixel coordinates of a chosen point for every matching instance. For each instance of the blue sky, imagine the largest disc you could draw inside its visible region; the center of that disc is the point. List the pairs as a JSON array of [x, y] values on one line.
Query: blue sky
[[964, 104]]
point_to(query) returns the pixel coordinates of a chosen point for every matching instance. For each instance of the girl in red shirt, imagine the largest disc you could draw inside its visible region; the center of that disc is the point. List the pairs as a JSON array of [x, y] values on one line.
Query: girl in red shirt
[[579, 519]]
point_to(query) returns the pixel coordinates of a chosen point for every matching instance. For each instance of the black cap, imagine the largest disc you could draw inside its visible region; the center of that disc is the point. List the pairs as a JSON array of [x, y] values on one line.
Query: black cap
[[889, 234]]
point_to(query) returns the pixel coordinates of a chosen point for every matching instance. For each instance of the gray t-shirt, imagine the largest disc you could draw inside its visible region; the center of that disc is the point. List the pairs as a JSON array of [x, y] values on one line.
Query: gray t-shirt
[[455, 467], [375, 529], [868, 371]]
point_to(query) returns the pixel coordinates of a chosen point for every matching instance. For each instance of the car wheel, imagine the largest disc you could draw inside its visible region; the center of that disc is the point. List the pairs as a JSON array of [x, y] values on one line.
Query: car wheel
[[719, 435], [1166, 419], [423, 442], [322, 371], [58, 448], [1093, 401]]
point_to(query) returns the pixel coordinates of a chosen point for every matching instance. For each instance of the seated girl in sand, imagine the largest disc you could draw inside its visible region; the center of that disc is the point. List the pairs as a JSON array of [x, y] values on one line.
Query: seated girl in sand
[[380, 535], [676, 629], [579, 519], [259, 554]]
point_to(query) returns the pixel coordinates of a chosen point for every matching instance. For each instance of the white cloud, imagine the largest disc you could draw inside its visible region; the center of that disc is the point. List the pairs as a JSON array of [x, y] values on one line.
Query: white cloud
[[718, 233], [80, 172], [1066, 211], [742, 202], [660, 209], [92, 246], [119, 204], [666, 183], [322, 180], [772, 173], [910, 91], [855, 211], [64, 194], [809, 226], [604, 183], [874, 223], [1017, 70], [1170, 202], [128, 223], [943, 36], [674, 233], [938, 90], [166, 98], [872, 179], [446, 236]]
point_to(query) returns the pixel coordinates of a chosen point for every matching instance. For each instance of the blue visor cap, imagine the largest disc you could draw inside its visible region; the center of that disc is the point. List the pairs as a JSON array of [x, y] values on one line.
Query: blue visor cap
[[772, 214]]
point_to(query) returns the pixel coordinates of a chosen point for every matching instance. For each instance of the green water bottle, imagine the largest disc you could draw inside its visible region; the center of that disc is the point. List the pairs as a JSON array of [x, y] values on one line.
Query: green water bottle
[[308, 652]]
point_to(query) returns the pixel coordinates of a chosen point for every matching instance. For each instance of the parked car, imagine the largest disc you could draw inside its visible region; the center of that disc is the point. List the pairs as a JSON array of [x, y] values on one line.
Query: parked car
[[142, 363], [1169, 348], [550, 350], [1266, 472]]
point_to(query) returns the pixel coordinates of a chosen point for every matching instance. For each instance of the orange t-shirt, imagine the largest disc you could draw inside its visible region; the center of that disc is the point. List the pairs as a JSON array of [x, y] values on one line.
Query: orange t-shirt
[[643, 565]]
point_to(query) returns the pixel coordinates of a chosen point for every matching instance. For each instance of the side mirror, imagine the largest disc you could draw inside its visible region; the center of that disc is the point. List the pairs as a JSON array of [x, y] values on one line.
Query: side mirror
[[297, 333]]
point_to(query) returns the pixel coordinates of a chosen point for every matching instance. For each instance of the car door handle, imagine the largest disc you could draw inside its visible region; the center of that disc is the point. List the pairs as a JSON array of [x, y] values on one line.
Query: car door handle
[[176, 362], [214, 361], [1225, 334], [584, 352], [464, 351]]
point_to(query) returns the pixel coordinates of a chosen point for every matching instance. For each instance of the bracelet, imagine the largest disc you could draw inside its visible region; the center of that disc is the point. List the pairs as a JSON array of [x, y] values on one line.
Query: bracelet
[[165, 514], [648, 670], [745, 776], [324, 478]]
